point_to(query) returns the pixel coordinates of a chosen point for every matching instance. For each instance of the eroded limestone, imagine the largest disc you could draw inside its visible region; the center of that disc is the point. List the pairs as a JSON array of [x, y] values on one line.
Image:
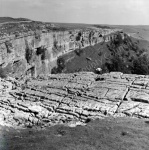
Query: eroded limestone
[[64, 98]]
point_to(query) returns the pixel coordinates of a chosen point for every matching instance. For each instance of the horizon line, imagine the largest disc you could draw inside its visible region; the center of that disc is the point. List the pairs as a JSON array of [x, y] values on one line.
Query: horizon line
[[76, 22]]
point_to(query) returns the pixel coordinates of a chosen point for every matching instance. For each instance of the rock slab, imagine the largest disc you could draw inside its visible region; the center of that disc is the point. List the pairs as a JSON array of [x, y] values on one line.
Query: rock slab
[[65, 98]]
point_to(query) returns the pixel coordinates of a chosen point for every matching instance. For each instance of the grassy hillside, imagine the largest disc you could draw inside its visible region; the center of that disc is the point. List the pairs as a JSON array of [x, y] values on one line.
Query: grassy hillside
[[9, 19], [128, 56], [103, 134], [87, 59]]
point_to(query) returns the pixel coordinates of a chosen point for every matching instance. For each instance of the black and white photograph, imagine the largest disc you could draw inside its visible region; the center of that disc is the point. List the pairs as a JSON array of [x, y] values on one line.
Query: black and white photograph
[[74, 74]]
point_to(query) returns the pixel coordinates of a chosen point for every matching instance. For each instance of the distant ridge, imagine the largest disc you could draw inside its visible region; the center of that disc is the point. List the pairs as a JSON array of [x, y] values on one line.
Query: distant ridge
[[10, 19]]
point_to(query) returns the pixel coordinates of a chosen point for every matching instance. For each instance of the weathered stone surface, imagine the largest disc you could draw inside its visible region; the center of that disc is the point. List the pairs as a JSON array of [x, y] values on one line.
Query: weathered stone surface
[[64, 98], [33, 55]]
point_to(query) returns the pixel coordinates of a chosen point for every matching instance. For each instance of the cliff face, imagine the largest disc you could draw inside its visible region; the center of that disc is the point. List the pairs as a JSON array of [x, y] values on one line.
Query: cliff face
[[66, 98], [35, 54]]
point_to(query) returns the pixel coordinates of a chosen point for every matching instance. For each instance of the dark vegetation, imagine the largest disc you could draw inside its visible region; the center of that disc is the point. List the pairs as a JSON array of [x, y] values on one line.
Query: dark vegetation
[[43, 52], [4, 71], [60, 66], [15, 69], [58, 28], [87, 59], [28, 52], [127, 57], [78, 52], [8, 45], [103, 26]]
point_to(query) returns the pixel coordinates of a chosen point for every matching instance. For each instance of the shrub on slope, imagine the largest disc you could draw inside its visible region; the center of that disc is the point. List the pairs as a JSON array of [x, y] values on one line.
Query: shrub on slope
[[127, 57]]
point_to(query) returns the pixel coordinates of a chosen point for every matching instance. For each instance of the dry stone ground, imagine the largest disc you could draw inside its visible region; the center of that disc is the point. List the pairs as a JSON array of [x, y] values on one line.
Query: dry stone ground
[[72, 99]]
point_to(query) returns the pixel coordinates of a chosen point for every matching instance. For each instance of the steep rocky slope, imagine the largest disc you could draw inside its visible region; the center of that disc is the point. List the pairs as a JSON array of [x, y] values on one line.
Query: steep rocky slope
[[128, 56], [37, 53], [72, 98]]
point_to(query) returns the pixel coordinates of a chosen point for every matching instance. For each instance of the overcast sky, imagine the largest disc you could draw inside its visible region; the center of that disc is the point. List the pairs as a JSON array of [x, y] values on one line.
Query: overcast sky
[[134, 12]]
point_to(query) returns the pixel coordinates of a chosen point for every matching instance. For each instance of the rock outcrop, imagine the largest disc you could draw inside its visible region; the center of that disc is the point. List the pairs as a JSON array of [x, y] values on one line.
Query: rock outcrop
[[65, 98], [35, 54]]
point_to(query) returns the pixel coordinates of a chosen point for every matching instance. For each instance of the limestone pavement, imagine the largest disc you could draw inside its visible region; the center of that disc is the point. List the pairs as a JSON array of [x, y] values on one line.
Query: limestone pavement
[[72, 98]]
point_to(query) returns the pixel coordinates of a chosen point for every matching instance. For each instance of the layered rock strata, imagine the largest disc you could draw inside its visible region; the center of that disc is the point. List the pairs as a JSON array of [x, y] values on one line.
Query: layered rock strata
[[35, 54], [64, 98]]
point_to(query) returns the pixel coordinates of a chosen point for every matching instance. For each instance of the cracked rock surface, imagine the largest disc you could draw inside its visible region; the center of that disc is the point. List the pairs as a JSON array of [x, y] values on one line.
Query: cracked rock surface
[[72, 99]]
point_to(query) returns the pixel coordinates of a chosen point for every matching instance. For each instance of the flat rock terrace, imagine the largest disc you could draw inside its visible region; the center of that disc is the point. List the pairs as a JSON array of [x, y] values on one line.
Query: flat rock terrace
[[72, 99]]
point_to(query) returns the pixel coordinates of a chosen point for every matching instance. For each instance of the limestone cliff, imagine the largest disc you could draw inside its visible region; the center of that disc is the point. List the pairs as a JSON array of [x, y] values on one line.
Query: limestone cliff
[[35, 54], [63, 98]]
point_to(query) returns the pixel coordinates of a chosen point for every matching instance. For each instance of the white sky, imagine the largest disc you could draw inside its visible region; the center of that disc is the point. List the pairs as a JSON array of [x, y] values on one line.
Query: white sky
[[134, 12]]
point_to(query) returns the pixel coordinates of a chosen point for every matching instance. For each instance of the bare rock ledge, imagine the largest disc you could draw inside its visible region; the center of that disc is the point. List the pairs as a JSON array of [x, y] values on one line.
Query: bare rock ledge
[[78, 97]]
